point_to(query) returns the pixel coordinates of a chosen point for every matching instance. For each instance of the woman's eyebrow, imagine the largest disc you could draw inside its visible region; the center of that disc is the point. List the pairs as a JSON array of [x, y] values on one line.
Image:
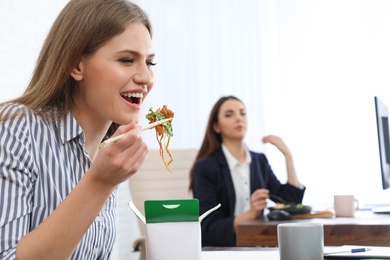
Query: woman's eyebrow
[[228, 111], [135, 53]]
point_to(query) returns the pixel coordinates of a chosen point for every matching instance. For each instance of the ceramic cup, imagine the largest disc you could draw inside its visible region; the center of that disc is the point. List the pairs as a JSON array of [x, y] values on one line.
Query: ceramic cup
[[345, 205], [301, 241]]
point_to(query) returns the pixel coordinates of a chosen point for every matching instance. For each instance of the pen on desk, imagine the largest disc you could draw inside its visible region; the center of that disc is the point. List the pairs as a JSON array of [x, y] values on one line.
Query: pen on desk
[[358, 250], [353, 250]]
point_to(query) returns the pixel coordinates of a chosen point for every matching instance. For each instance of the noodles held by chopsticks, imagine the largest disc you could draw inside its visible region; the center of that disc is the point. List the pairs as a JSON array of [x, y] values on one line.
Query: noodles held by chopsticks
[[164, 131]]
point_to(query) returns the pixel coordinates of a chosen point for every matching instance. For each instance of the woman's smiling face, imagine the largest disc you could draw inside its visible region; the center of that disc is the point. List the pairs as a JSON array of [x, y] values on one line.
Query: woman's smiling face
[[115, 80]]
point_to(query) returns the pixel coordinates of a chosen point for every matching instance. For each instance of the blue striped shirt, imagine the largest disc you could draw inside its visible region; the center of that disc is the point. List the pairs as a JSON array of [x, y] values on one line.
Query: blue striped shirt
[[41, 161]]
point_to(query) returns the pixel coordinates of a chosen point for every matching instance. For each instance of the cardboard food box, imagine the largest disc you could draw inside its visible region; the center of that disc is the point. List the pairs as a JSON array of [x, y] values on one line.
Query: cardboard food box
[[172, 229]]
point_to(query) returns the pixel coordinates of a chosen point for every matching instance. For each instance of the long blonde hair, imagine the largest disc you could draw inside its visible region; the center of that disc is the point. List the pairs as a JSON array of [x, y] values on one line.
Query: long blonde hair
[[79, 30]]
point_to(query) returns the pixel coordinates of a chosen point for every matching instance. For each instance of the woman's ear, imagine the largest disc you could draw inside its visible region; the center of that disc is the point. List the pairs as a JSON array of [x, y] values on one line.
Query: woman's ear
[[216, 128], [77, 72]]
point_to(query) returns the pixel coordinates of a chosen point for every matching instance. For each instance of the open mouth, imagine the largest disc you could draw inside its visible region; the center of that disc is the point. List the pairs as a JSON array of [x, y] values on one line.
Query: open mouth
[[134, 98]]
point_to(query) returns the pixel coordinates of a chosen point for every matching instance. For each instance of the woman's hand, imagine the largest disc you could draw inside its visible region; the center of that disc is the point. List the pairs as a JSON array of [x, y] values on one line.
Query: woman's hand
[[258, 204], [278, 142], [118, 161], [258, 200], [292, 177]]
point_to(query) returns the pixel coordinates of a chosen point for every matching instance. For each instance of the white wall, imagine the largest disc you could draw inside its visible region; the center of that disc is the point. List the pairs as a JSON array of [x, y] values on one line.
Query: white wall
[[23, 27], [334, 57], [205, 49], [307, 70]]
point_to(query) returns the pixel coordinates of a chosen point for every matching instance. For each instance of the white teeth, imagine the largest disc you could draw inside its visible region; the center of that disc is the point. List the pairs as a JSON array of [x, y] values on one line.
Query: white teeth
[[136, 95]]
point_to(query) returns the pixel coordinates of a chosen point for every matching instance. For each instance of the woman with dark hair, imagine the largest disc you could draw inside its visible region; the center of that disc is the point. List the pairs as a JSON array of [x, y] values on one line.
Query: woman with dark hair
[[226, 172], [57, 188]]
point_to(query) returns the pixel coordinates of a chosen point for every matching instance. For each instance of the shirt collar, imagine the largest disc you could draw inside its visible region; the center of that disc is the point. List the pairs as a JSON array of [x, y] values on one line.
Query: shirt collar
[[69, 128], [233, 162]]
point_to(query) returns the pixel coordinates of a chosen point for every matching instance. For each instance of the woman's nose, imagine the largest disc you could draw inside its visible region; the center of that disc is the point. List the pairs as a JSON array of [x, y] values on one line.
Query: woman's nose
[[144, 76]]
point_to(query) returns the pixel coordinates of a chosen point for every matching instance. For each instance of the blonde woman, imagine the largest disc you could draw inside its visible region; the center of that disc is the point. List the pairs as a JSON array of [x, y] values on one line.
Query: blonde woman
[[57, 188]]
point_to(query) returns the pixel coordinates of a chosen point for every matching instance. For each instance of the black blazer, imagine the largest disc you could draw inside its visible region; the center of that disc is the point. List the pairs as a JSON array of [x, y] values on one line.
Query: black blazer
[[213, 184]]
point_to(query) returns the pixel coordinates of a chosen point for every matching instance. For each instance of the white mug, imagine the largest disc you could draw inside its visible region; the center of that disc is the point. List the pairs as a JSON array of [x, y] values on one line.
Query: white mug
[[301, 241], [345, 205]]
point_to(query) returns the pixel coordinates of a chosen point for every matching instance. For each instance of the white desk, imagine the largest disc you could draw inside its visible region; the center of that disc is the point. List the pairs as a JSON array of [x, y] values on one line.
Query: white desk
[[269, 253], [234, 254]]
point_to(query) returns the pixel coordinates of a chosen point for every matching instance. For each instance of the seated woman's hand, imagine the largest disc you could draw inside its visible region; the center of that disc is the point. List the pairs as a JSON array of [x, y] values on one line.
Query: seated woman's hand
[[258, 200], [278, 142]]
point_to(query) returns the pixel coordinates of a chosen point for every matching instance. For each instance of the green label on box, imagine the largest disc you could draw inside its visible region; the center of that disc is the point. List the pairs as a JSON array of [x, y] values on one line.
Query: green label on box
[[158, 211]]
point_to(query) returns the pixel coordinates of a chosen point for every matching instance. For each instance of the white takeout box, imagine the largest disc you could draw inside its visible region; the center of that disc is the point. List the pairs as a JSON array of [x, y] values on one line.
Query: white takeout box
[[172, 229]]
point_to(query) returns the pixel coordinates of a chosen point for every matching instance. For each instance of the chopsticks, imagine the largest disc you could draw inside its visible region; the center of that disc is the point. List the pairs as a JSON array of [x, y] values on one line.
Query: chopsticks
[[277, 198], [146, 127], [154, 124]]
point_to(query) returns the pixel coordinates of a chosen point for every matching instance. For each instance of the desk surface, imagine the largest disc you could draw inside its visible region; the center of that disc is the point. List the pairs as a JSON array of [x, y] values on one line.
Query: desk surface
[[241, 253], [366, 228], [256, 253]]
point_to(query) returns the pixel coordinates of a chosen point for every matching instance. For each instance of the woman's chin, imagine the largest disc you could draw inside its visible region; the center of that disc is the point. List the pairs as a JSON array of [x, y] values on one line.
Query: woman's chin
[[128, 119]]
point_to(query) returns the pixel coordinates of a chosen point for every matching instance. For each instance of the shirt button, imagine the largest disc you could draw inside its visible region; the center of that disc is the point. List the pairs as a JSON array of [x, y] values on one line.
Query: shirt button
[[96, 250], [98, 218]]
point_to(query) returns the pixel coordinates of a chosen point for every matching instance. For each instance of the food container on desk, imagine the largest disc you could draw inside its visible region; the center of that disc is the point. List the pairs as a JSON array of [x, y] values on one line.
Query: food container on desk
[[172, 228]]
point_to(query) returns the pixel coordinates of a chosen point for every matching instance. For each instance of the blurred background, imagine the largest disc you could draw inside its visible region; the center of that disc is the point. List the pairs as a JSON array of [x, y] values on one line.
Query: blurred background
[[306, 70]]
